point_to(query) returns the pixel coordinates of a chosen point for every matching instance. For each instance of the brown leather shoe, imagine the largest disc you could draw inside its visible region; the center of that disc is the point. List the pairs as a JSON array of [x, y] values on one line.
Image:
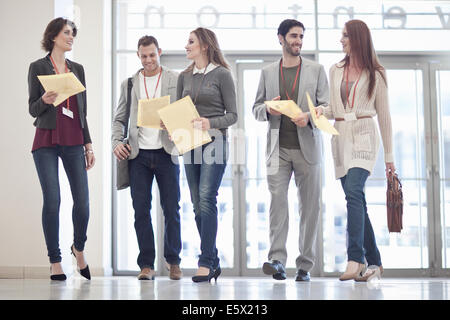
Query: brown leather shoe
[[147, 274], [175, 272]]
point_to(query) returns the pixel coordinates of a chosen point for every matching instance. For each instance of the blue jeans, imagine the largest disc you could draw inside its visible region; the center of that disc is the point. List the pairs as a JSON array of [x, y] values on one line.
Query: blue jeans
[[147, 165], [204, 168], [361, 238], [46, 161]]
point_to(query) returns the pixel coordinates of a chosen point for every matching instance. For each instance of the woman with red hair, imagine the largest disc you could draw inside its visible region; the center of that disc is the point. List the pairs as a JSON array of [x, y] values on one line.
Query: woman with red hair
[[358, 93]]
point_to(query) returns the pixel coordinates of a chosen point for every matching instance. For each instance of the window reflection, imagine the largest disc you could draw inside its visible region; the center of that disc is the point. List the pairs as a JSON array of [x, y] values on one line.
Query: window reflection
[[406, 105], [406, 98], [443, 107]]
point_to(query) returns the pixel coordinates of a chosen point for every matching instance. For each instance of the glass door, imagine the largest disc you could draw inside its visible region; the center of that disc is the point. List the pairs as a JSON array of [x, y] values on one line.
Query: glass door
[[254, 213], [440, 170], [409, 252], [410, 249], [422, 158], [126, 249], [255, 196]]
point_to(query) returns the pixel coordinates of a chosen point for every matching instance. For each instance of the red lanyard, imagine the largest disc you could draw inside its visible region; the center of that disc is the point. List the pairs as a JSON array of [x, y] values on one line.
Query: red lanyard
[[57, 72], [347, 93], [295, 82], [157, 83]]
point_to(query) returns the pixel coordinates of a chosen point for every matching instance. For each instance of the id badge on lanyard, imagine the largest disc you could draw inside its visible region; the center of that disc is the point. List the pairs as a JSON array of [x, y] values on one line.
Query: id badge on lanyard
[[65, 111]]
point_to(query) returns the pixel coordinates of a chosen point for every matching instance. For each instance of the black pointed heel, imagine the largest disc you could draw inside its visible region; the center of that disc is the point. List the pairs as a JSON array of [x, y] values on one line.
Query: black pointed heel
[[204, 278], [84, 272], [57, 277], [217, 273]]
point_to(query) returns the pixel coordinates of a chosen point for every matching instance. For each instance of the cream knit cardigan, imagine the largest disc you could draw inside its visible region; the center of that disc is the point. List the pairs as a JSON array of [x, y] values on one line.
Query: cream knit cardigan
[[358, 141]]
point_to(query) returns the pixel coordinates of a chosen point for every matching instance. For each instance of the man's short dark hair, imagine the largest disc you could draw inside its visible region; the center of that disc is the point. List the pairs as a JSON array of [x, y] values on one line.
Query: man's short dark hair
[[287, 24], [147, 40], [53, 29]]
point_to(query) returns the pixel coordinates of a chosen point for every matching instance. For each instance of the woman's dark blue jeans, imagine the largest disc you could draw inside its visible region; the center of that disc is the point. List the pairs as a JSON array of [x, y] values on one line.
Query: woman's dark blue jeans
[[73, 159], [204, 168], [361, 238]]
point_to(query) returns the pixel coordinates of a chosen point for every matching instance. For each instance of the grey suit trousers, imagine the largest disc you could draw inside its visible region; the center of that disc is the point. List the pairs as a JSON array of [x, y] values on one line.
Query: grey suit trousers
[[308, 182]]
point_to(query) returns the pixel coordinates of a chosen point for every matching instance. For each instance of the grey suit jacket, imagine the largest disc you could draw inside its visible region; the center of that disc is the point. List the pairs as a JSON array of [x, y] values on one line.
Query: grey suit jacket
[[168, 87], [313, 80]]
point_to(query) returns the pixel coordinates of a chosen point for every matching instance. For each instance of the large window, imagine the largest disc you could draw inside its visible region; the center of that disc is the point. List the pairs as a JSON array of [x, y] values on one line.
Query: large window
[[443, 111], [407, 36]]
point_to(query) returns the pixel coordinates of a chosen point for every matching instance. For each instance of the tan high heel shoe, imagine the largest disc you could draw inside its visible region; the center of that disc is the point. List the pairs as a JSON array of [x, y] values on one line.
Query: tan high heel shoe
[[352, 271], [372, 272]]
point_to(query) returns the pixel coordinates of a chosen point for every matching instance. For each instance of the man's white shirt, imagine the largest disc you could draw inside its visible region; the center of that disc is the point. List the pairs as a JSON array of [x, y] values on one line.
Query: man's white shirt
[[149, 138]]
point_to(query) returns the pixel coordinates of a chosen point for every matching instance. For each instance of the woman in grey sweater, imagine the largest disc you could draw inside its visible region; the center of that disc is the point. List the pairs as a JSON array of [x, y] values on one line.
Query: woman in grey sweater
[[209, 83]]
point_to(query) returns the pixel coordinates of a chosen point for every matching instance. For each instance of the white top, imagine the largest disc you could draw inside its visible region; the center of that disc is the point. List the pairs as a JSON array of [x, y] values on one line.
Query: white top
[[209, 68], [358, 141], [149, 138]]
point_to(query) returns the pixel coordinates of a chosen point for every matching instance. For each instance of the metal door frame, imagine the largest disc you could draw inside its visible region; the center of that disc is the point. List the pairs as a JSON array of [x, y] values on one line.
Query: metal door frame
[[428, 64], [239, 64], [435, 65]]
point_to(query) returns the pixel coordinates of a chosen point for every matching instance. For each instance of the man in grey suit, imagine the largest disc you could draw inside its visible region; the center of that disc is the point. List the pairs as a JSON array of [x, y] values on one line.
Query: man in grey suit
[[149, 152], [293, 146]]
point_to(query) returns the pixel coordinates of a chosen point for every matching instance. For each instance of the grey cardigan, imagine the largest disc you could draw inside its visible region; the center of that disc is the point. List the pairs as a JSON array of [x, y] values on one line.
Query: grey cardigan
[[45, 114], [168, 87]]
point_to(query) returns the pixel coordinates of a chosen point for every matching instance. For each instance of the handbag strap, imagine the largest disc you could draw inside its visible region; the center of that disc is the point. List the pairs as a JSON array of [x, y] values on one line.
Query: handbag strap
[[394, 182], [398, 181], [130, 86]]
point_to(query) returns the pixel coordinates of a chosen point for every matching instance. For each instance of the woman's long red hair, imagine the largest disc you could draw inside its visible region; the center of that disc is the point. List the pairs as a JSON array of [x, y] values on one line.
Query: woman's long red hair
[[208, 39], [363, 52]]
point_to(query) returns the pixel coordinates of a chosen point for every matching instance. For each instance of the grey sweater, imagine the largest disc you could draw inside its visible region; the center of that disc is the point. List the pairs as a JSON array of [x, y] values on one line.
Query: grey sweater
[[216, 99]]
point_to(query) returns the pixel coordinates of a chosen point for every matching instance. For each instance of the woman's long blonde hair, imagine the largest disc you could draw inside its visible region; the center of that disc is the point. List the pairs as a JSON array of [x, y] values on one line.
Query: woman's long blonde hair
[[208, 39]]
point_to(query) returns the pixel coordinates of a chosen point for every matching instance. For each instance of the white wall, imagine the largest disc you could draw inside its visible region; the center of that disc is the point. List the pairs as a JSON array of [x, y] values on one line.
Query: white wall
[[22, 247]]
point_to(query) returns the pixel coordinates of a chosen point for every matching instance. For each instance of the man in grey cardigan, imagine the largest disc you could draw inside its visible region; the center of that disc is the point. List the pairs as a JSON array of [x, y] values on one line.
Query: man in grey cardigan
[[293, 146], [149, 152]]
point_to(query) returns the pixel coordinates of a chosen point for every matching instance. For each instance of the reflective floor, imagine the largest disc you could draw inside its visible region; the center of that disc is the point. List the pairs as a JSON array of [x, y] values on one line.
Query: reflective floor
[[226, 288]]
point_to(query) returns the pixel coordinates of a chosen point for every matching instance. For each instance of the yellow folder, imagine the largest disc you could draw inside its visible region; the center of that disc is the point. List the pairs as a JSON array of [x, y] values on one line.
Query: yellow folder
[[177, 117], [65, 84], [320, 122], [286, 107], [148, 116]]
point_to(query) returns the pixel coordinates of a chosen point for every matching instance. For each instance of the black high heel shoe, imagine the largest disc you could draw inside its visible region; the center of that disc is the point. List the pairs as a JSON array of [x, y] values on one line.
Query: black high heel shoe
[[217, 273], [84, 272], [57, 277], [208, 277]]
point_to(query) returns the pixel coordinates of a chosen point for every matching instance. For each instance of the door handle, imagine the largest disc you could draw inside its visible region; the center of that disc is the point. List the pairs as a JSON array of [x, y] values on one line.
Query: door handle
[[429, 172]]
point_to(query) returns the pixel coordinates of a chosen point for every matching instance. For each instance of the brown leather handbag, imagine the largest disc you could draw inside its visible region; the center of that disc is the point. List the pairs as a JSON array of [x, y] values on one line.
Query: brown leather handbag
[[394, 203]]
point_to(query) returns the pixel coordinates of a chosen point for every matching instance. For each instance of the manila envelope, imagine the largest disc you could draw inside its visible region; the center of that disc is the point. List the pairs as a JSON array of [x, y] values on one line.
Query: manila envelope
[[320, 122], [148, 116], [177, 117], [286, 107], [65, 84]]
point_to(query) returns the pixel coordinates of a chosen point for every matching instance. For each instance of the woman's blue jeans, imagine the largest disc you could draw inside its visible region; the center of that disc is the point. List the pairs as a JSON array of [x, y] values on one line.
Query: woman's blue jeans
[[73, 159], [361, 238], [204, 168]]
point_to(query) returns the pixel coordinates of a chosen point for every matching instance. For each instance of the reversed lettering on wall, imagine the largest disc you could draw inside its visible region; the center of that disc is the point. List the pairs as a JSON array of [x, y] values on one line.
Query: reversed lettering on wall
[[394, 17]]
